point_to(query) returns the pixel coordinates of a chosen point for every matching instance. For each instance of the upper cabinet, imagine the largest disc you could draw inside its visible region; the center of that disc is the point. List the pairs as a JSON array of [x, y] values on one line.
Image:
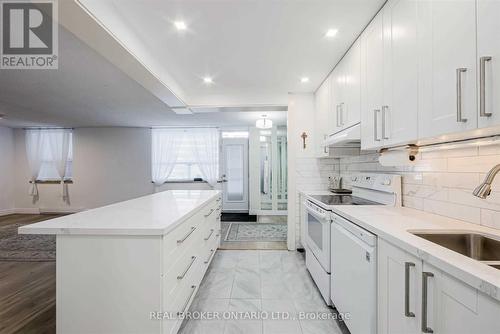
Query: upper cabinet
[[399, 111], [346, 89], [372, 42], [421, 70], [323, 116], [389, 94], [447, 67], [488, 62], [351, 95]]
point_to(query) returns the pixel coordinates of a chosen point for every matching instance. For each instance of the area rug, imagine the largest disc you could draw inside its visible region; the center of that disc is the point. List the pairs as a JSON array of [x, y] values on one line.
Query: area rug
[[25, 247], [254, 231]]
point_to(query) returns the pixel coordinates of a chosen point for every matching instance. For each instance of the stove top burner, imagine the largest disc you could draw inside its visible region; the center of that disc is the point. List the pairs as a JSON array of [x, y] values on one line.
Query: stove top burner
[[343, 200]]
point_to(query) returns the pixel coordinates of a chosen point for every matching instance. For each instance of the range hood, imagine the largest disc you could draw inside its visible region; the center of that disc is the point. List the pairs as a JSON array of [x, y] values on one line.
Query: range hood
[[350, 137]]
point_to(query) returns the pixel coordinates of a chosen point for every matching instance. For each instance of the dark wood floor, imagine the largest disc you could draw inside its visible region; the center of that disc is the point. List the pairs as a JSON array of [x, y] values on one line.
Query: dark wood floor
[[27, 290]]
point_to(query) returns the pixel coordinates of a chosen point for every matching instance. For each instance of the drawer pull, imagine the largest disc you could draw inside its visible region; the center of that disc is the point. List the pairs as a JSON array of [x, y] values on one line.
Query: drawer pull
[[425, 328], [187, 235], [186, 303], [208, 214], [210, 256], [181, 276], [459, 72], [482, 86], [211, 232], [408, 313]]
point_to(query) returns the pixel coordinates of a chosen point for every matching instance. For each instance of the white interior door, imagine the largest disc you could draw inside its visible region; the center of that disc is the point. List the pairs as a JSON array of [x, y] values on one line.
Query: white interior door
[[234, 174]]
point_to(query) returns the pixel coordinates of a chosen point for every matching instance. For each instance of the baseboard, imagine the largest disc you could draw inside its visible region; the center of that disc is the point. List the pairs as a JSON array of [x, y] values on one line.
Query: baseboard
[[5, 212], [60, 210], [29, 211], [37, 211]]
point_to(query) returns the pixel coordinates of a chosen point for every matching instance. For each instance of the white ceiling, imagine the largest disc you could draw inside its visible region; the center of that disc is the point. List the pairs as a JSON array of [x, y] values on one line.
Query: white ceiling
[[87, 90], [256, 51]]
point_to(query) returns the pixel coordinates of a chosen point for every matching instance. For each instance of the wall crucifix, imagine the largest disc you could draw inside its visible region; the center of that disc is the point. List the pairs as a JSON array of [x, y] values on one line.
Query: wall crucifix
[[304, 136]]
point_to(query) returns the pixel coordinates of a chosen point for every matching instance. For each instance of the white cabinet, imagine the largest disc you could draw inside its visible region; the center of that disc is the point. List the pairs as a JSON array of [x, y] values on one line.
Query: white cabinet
[[323, 119], [447, 67], [399, 281], [399, 111], [488, 62], [346, 89], [415, 297], [351, 104], [451, 306], [390, 66], [372, 94], [117, 280], [337, 96]]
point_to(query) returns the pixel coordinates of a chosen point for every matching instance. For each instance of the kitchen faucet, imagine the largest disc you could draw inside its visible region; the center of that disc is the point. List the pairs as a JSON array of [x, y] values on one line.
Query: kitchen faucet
[[484, 189]]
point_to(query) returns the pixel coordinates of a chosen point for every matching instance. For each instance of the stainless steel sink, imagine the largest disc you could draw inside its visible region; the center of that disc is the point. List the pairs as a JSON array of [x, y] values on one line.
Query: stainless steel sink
[[474, 245]]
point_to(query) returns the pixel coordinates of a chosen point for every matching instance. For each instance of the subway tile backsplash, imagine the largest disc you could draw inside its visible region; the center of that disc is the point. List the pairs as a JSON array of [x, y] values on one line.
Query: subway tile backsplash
[[441, 181]]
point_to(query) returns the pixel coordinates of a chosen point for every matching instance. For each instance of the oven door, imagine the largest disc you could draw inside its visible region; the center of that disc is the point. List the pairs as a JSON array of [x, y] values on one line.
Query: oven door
[[318, 225]]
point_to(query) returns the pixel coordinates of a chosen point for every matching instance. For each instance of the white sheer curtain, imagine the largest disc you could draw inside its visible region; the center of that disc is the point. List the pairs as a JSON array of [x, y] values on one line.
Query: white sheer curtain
[[164, 153], [58, 142], [206, 152], [34, 152]]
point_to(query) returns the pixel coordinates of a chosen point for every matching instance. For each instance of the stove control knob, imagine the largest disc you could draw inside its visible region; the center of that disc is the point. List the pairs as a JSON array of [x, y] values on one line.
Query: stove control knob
[[354, 178], [386, 182]]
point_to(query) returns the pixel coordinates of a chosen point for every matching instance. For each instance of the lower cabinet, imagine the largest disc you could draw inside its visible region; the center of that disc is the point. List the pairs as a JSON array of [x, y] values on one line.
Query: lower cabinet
[[134, 283], [399, 283], [415, 297]]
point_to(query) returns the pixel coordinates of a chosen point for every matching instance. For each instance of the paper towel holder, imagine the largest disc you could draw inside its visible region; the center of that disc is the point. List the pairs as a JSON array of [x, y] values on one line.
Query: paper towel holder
[[412, 150]]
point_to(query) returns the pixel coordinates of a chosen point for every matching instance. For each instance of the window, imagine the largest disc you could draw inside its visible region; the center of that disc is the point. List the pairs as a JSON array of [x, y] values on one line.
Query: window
[[186, 167], [185, 154], [50, 151], [48, 170]]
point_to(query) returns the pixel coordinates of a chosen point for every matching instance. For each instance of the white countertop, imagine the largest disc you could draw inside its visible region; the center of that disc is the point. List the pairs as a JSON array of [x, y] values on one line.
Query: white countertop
[[393, 224], [155, 214]]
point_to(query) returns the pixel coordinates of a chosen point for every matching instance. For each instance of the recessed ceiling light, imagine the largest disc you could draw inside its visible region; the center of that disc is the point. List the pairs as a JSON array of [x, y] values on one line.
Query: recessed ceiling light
[[208, 80], [304, 80], [180, 25], [331, 32]]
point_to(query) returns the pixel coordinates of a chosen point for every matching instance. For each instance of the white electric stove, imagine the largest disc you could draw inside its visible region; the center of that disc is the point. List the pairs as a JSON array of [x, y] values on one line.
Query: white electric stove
[[321, 222]]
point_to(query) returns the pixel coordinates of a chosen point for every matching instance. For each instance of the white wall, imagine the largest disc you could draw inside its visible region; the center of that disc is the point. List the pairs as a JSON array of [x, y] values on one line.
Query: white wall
[[305, 172], [6, 170], [110, 165]]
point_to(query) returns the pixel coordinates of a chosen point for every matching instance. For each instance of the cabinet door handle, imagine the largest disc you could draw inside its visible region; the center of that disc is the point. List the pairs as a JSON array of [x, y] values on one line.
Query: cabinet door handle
[[325, 148], [482, 86], [375, 124], [181, 276], [211, 232], [342, 114], [408, 313], [384, 116], [208, 214], [180, 241], [425, 276], [186, 303], [337, 114], [459, 72], [210, 256]]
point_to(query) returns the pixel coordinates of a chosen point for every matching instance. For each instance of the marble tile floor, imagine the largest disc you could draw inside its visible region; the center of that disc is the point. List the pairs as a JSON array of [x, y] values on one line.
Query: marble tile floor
[[255, 284]]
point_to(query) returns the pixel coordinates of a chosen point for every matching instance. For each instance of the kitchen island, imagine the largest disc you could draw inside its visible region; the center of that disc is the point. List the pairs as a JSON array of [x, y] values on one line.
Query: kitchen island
[[120, 266]]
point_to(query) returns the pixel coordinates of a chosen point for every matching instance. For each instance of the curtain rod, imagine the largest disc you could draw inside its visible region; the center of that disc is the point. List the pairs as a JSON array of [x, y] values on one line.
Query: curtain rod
[[185, 127], [48, 128]]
